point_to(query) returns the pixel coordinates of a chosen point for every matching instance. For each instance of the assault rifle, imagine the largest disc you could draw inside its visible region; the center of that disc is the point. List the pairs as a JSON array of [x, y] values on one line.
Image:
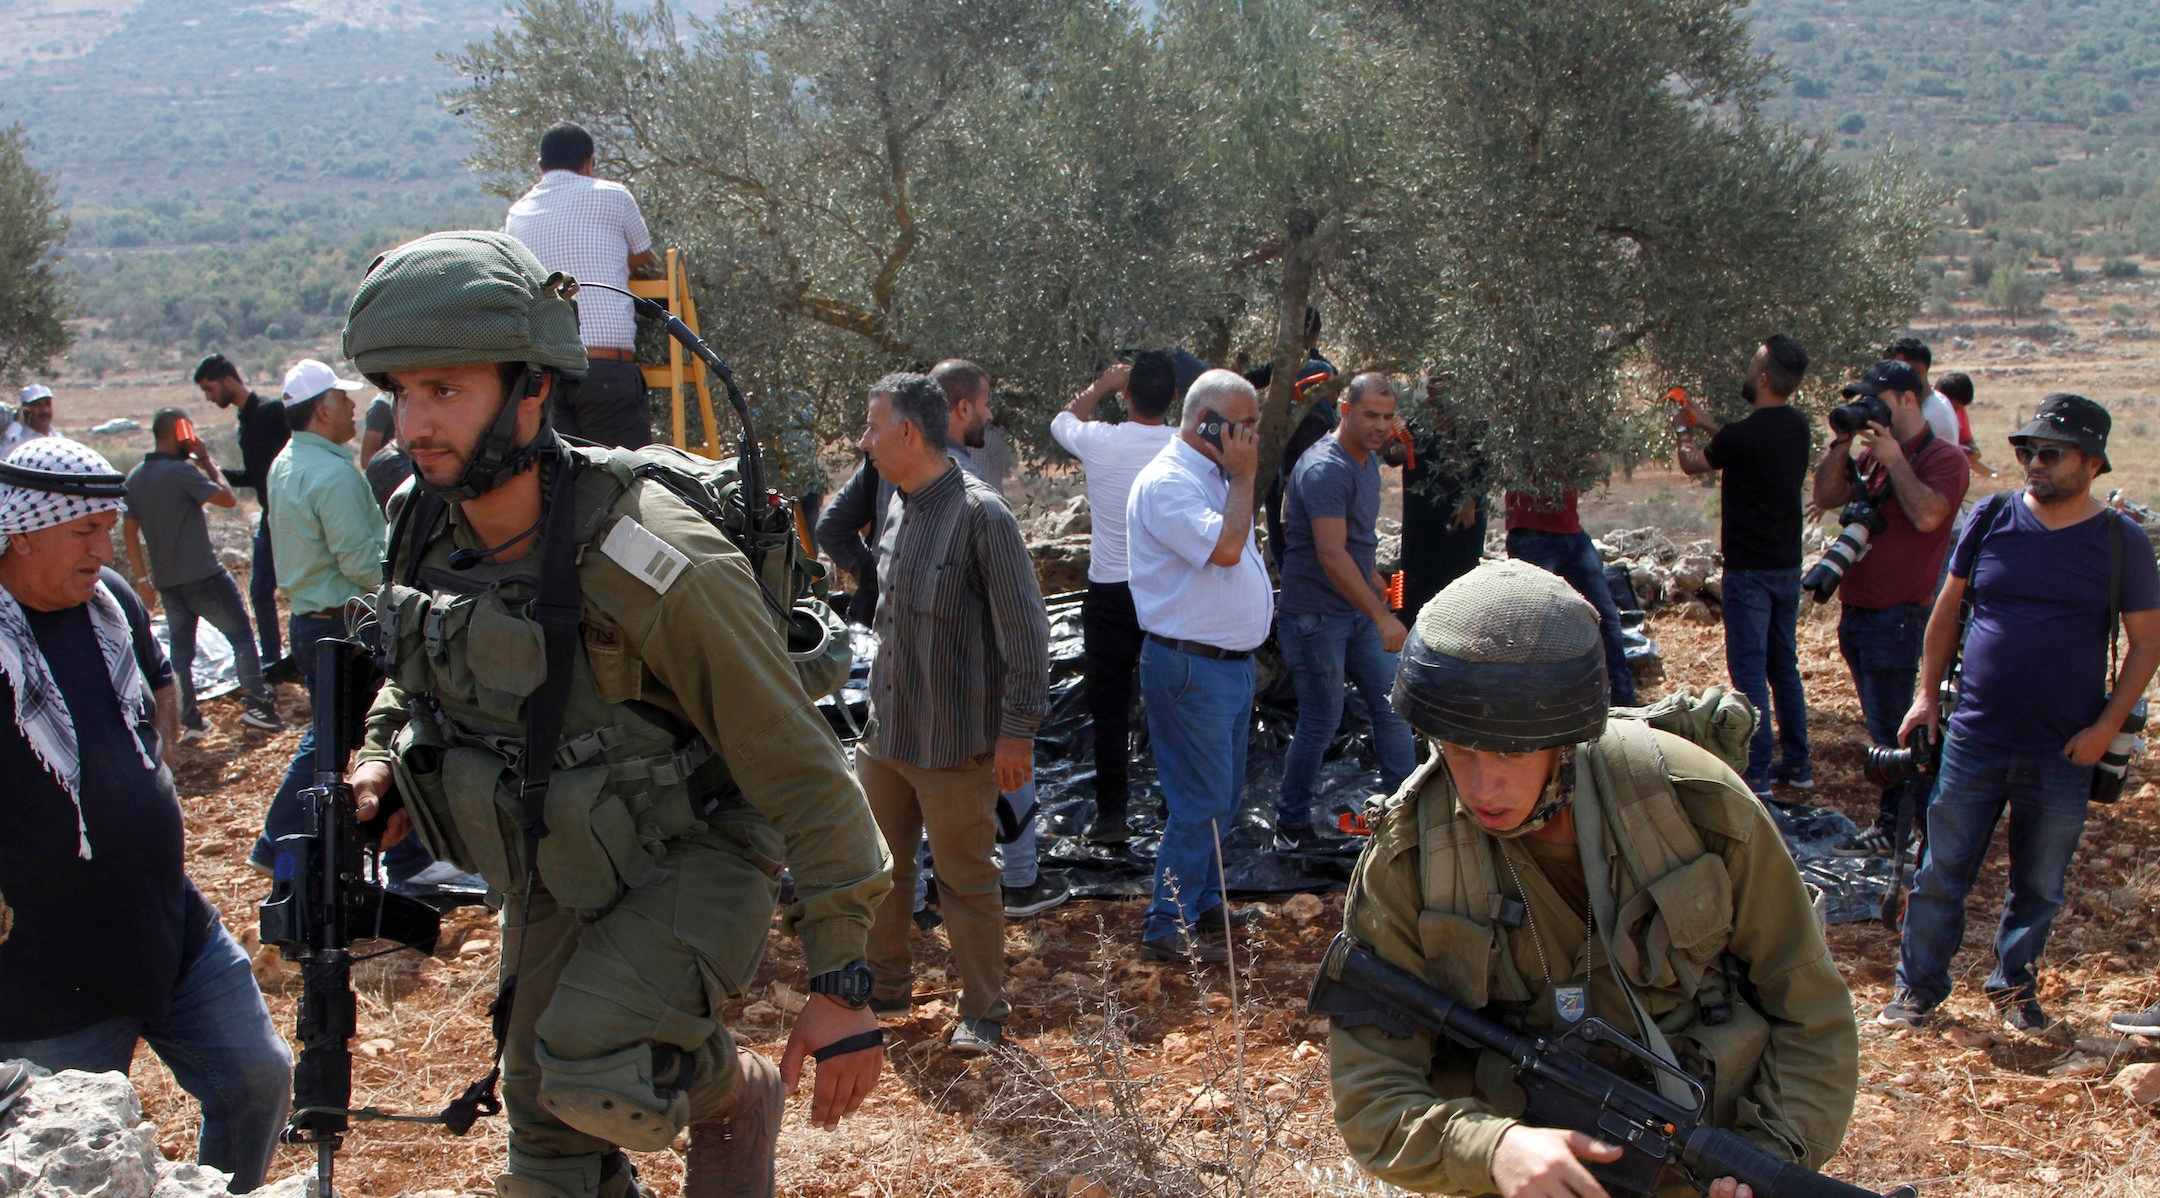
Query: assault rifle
[[322, 901], [1566, 1089]]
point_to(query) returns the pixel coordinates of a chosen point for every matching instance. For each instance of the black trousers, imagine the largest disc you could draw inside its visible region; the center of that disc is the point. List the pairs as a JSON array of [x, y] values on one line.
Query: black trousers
[[611, 406], [1111, 639]]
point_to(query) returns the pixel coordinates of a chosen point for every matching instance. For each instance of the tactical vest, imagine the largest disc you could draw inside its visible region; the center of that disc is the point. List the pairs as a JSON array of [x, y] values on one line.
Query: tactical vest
[[627, 776], [1674, 910]]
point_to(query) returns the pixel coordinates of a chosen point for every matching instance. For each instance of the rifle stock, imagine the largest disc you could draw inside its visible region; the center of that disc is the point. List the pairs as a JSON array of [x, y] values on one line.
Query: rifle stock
[[1566, 1089]]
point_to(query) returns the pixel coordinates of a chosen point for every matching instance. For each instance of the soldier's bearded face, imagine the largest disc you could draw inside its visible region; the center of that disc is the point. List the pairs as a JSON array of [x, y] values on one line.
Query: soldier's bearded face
[[443, 411], [1499, 789]]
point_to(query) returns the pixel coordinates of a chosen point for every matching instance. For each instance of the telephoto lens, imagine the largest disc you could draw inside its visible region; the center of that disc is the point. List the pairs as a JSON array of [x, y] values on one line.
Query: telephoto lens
[[2107, 783], [1886, 766], [1855, 417]]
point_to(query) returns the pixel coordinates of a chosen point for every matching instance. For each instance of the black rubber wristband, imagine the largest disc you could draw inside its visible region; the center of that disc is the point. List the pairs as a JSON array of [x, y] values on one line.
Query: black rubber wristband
[[847, 1044]]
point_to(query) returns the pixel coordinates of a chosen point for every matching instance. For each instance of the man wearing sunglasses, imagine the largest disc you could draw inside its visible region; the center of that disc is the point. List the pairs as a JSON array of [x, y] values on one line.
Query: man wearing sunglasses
[[2045, 570]]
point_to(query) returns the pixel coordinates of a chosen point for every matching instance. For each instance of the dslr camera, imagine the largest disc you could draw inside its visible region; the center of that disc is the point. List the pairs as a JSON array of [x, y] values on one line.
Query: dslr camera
[[1862, 519], [1886, 766], [1849, 418]]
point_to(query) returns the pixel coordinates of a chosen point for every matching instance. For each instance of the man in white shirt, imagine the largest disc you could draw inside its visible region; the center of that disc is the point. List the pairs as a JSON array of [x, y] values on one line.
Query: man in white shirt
[[32, 421], [1203, 599], [591, 230], [1112, 456], [1941, 417]]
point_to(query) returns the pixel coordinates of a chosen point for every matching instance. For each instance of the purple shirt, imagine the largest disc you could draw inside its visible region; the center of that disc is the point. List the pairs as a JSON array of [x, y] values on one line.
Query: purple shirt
[[2035, 668]]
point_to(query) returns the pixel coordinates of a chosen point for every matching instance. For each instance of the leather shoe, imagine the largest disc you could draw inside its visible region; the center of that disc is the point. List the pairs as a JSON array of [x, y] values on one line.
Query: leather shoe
[[1183, 948]]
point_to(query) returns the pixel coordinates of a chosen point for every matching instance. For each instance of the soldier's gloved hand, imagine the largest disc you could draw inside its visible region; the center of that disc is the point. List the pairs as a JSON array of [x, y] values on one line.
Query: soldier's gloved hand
[[1542, 1162], [843, 1081], [369, 780]]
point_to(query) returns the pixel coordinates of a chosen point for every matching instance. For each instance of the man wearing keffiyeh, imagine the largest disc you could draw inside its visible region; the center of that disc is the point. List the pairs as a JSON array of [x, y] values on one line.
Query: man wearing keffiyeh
[[109, 942]]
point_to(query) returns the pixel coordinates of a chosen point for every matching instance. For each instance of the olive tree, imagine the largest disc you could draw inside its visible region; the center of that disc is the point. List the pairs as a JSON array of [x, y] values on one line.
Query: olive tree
[[33, 302]]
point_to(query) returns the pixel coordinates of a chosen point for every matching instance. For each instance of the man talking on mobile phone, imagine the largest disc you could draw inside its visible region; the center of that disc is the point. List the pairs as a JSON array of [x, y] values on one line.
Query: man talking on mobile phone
[[1203, 599]]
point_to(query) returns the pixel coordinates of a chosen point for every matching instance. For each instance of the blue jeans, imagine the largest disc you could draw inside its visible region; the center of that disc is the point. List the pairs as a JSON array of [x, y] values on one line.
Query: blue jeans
[[1762, 654], [262, 592], [1881, 646], [2046, 795], [1199, 714], [1572, 556], [284, 818], [216, 599], [218, 1041], [1319, 649]]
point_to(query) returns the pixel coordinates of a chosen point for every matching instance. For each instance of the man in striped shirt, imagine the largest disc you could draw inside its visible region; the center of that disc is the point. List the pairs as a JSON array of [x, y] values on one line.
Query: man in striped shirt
[[591, 230], [961, 682]]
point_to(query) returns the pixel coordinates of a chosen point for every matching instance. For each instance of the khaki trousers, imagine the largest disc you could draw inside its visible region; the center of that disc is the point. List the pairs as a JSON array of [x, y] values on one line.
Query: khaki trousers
[[958, 808]]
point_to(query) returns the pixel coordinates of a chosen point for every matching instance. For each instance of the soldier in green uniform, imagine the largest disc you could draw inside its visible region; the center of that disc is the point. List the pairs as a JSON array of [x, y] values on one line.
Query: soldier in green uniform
[[1477, 881], [689, 764]]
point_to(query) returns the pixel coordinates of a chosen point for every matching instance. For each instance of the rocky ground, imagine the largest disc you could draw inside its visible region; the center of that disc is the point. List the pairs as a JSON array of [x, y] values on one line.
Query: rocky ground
[[1126, 1071]]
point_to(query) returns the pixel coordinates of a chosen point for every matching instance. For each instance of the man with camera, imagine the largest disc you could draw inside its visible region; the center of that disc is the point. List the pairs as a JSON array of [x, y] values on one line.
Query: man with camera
[[1763, 457], [1895, 478], [2044, 575]]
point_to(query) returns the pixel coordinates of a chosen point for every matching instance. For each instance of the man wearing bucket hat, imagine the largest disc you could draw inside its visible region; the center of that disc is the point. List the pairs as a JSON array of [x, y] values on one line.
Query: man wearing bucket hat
[[91, 842], [562, 605], [1549, 865], [2046, 576]]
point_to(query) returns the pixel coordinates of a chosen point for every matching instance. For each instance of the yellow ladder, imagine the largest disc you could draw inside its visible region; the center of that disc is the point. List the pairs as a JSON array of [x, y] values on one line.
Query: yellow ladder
[[682, 370]]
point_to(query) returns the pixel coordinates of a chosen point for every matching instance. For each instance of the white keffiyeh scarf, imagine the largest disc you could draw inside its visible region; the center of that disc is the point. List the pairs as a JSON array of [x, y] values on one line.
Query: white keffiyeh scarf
[[41, 711]]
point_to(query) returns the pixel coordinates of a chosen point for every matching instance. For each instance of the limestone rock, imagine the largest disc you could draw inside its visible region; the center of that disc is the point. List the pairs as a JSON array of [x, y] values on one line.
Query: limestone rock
[[2140, 1083], [1061, 564], [1303, 908], [82, 1135]]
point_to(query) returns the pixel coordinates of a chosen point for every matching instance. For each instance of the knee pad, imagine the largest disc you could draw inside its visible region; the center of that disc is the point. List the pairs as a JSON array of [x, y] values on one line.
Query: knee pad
[[598, 1176], [621, 1097]]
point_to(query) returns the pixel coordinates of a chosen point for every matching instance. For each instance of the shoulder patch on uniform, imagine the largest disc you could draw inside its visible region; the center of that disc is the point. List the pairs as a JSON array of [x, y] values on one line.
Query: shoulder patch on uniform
[[651, 560]]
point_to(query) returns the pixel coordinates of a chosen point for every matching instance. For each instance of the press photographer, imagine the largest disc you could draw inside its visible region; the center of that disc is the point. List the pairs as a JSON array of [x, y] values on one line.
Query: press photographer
[[1883, 453], [2036, 589]]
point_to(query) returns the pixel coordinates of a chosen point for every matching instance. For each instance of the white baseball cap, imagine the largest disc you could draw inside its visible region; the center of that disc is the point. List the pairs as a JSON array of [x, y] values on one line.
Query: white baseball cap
[[309, 378], [35, 392]]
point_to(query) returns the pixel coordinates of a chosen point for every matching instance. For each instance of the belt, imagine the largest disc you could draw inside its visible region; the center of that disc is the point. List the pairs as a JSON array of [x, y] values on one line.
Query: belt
[[612, 355], [1199, 649]]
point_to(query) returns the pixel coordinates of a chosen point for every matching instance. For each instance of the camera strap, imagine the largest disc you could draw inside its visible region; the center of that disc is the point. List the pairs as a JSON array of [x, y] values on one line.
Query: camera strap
[[2115, 538]]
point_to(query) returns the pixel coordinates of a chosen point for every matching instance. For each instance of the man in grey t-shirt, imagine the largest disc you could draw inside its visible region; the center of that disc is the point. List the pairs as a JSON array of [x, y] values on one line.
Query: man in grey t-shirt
[[1333, 621], [165, 497]]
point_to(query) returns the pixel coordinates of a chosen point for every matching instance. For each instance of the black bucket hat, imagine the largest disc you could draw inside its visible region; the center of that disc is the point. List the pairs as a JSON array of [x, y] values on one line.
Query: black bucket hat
[[2073, 418]]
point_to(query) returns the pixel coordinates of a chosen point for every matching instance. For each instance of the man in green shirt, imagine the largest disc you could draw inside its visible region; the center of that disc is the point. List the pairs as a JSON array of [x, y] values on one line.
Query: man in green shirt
[[326, 535]]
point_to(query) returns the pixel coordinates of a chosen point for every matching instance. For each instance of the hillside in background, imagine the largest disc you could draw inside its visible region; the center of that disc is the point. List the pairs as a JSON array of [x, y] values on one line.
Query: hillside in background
[[2042, 117], [231, 167]]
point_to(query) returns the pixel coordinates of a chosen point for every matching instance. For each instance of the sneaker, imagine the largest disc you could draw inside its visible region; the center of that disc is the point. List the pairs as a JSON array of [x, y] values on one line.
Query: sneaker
[[1297, 840], [1183, 948], [2024, 1015], [928, 918], [1906, 1009], [974, 1037], [1800, 781], [194, 731], [284, 669], [2136, 1023], [1875, 842], [892, 1008], [264, 717], [1036, 897]]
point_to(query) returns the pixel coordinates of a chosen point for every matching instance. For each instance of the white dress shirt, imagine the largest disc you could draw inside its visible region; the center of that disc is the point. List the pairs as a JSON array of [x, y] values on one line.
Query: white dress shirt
[[587, 228], [1173, 518], [1112, 455]]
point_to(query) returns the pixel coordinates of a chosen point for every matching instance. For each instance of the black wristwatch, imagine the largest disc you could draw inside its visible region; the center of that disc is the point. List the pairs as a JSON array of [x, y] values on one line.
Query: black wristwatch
[[848, 985]]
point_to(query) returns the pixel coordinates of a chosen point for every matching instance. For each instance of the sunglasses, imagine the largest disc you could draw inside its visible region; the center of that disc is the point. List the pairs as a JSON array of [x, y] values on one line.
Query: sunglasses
[[2046, 455]]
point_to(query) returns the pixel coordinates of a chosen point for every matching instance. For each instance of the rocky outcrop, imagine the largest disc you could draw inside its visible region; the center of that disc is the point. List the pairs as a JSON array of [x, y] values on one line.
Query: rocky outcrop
[[83, 1135], [1686, 579]]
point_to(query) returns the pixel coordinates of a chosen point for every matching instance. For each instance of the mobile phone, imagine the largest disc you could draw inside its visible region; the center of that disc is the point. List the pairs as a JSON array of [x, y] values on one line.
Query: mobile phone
[[1211, 425], [184, 431]]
